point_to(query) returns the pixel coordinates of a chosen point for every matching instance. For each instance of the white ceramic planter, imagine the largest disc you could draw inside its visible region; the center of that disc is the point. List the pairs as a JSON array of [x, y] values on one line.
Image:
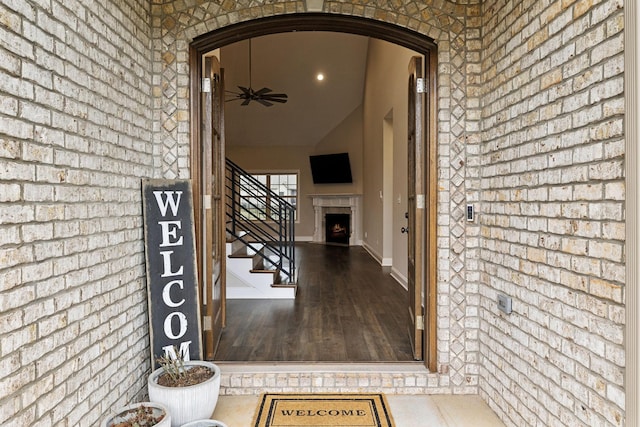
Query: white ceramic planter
[[205, 423], [157, 409], [185, 404]]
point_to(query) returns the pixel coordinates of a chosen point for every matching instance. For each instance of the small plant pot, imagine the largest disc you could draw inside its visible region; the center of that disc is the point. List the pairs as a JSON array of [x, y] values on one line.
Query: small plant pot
[[128, 413], [188, 403], [205, 423]]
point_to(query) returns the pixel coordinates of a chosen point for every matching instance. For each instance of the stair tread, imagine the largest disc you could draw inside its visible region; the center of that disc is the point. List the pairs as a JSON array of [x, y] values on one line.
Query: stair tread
[[263, 270], [241, 254], [264, 260], [284, 285], [230, 238]]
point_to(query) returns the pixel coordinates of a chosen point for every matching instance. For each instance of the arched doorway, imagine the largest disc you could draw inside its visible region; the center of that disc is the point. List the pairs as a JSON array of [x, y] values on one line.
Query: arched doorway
[[354, 25]]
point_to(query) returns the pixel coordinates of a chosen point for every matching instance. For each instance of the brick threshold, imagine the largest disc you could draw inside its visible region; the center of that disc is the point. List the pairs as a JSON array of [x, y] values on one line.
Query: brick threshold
[[240, 378]]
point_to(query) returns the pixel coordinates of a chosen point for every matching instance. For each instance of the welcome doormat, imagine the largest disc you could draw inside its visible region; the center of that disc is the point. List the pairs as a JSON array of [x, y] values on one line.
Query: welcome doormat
[[323, 409]]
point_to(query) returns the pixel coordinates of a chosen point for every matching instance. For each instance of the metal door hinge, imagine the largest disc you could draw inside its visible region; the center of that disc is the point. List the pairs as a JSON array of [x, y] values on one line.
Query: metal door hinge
[[206, 85], [206, 323], [421, 86], [420, 323]]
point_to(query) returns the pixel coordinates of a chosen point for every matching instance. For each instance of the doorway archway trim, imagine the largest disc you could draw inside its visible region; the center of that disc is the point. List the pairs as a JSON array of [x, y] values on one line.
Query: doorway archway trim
[[313, 22], [345, 24]]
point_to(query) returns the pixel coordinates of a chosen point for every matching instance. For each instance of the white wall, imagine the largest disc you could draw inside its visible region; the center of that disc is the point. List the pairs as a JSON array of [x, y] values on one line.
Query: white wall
[[386, 93], [347, 137]]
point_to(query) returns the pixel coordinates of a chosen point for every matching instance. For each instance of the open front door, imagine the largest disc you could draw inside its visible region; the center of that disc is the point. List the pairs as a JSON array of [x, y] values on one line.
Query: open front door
[[212, 216], [415, 206], [421, 215]]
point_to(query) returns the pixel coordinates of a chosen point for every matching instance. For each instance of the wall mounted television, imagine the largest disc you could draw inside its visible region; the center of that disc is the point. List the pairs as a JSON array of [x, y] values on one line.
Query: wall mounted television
[[331, 168]]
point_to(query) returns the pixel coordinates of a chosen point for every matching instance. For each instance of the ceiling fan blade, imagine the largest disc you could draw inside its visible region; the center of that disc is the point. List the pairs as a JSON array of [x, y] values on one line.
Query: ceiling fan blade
[[262, 91], [246, 91], [264, 102], [281, 100], [275, 95], [263, 96]]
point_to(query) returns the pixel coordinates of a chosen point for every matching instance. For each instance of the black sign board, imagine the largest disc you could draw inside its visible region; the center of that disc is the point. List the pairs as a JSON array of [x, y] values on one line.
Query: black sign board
[[172, 283]]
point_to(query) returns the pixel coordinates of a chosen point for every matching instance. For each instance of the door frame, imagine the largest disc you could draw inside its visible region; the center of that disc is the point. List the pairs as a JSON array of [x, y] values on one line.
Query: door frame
[[401, 36]]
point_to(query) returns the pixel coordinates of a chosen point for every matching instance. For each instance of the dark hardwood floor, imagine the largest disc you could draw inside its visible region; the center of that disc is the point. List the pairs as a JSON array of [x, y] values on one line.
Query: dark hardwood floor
[[346, 310]]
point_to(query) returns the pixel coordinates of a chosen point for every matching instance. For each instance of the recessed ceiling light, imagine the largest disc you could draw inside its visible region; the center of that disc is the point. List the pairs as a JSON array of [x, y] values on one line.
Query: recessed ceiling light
[[320, 77]]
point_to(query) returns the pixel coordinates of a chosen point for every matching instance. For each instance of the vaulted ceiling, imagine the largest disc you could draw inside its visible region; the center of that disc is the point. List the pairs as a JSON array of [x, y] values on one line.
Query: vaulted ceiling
[[289, 63]]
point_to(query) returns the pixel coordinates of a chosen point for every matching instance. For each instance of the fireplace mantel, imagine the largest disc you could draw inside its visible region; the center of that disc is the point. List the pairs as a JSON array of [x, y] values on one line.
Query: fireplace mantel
[[334, 203]]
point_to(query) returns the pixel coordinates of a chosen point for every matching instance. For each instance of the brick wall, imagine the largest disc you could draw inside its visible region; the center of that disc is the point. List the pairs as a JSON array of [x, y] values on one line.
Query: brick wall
[[552, 211], [75, 133], [545, 172], [456, 27]]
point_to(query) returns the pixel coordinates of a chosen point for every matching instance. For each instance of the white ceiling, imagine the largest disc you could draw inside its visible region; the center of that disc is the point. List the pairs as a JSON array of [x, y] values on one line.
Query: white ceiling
[[288, 63]]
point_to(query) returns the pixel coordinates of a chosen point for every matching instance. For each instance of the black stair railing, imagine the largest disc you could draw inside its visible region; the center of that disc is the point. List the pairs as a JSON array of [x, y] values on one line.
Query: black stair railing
[[257, 215]]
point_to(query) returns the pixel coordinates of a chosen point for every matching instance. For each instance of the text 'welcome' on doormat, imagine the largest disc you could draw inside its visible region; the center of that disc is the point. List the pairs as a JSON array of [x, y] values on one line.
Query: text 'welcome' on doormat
[[323, 409]]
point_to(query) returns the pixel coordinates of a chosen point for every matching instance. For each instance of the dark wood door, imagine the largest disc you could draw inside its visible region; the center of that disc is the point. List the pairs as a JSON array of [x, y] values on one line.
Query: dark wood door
[[431, 187], [416, 205], [212, 225]]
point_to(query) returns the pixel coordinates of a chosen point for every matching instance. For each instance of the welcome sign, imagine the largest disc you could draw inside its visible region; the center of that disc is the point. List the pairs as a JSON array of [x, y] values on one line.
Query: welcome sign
[[172, 285]]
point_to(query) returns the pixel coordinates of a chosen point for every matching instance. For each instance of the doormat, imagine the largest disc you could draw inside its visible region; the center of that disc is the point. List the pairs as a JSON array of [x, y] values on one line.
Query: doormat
[[323, 409]]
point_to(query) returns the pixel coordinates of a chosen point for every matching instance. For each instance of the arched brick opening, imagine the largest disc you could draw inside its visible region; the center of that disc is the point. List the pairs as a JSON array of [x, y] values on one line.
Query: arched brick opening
[[333, 23]]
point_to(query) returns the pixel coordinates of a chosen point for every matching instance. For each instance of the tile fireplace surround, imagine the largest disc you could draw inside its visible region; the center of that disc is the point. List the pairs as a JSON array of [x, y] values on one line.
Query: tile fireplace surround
[[338, 203]]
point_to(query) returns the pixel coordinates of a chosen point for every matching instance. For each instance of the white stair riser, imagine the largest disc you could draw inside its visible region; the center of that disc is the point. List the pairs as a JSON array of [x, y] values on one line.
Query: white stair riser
[[241, 268], [243, 284]]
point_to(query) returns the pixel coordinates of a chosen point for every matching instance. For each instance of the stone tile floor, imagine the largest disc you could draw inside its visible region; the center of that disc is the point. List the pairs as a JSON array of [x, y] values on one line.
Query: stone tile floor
[[407, 411]]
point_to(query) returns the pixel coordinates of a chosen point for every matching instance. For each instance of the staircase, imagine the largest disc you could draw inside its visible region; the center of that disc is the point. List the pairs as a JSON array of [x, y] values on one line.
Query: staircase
[[260, 239]]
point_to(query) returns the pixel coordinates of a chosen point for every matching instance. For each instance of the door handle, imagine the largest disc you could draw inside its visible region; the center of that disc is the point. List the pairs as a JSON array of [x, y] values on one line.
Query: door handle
[[404, 230]]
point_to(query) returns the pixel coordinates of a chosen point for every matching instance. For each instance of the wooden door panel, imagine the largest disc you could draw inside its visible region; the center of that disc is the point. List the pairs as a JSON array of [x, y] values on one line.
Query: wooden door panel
[[431, 177], [212, 187], [415, 208]]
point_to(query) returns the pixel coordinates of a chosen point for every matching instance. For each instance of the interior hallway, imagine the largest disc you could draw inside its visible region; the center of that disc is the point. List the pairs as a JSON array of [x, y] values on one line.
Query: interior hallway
[[346, 310]]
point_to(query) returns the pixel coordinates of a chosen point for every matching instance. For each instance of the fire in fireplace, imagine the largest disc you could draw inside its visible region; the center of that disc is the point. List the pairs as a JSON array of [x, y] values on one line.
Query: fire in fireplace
[[337, 228]]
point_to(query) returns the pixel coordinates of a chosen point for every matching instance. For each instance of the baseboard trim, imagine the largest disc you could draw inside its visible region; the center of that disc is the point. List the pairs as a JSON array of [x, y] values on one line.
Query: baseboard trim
[[372, 252], [400, 278]]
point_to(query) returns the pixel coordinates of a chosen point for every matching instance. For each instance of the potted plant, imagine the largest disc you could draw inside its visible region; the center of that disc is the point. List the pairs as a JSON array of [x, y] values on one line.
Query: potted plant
[[189, 389], [144, 414]]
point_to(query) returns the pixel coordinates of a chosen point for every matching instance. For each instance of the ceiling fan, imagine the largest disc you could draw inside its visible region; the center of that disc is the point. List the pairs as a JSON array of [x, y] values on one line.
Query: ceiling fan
[[263, 96]]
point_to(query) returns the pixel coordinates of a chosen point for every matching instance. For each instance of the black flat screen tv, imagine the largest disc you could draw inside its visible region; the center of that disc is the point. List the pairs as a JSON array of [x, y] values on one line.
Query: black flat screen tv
[[331, 168]]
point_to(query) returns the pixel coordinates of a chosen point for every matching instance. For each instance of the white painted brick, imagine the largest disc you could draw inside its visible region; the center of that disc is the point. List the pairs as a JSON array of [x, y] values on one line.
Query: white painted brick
[[8, 106], [106, 150], [587, 192], [606, 250], [12, 256], [606, 211], [38, 193], [614, 66], [589, 177], [9, 235], [607, 49]]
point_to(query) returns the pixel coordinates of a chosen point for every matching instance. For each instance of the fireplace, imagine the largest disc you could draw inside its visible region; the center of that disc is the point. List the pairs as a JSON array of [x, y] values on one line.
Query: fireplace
[[349, 204], [337, 228]]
